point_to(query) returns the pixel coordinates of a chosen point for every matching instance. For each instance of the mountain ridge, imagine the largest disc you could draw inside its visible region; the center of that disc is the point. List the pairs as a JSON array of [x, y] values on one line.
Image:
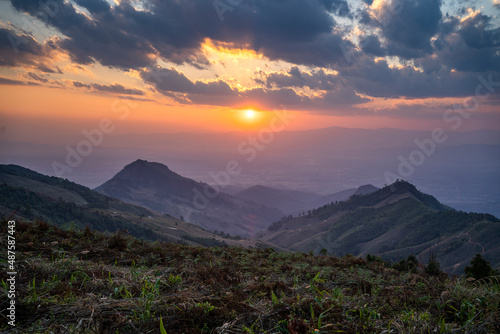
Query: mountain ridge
[[393, 222], [155, 186]]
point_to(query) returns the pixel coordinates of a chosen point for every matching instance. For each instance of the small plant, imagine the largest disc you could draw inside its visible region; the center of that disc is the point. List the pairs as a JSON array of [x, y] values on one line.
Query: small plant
[[162, 329], [206, 307], [174, 279], [274, 299]]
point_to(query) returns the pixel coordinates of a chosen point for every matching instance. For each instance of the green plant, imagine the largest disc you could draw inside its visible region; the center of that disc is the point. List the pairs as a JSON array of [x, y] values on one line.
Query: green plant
[[480, 268], [206, 307], [162, 329], [274, 299], [433, 267], [174, 279]]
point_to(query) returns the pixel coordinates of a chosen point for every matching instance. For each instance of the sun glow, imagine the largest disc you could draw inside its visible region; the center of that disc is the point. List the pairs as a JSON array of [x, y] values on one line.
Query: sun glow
[[250, 114]]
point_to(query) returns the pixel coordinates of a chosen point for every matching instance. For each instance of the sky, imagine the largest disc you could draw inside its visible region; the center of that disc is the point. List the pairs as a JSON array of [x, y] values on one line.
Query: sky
[[167, 66]]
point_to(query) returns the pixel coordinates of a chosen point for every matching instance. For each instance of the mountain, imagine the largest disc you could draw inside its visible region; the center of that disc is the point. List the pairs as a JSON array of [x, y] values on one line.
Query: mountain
[[155, 186], [28, 195], [463, 171], [294, 202], [393, 222]]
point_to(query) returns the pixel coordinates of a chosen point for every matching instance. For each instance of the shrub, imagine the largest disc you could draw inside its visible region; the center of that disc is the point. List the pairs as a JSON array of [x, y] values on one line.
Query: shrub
[[480, 268]]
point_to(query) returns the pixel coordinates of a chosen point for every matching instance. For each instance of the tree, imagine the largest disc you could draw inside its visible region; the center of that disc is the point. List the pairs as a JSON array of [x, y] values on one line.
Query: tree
[[433, 267], [480, 268]]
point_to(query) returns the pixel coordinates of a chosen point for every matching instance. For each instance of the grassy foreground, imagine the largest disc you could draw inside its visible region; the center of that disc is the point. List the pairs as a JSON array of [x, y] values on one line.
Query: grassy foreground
[[87, 282]]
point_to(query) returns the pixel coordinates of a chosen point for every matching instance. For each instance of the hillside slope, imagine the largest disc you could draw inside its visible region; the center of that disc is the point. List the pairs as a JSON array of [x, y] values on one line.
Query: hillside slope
[[394, 222], [293, 202], [28, 195], [155, 186], [86, 282]]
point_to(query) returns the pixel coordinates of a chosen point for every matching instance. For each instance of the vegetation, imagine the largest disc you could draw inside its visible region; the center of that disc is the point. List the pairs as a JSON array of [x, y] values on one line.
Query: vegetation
[[393, 222], [32, 205], [87, 282], [480, 268]]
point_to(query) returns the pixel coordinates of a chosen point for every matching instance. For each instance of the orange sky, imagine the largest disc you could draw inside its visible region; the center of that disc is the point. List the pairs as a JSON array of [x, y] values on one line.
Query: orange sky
[[47, 96]]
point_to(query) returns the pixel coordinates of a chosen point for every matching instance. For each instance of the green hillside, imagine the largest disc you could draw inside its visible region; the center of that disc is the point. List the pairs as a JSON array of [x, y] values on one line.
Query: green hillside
[[25, 194], [393, 223], [86, 282]]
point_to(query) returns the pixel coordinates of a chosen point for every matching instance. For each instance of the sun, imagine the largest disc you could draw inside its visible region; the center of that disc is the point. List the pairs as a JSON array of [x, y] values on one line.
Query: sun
[[250, 114]]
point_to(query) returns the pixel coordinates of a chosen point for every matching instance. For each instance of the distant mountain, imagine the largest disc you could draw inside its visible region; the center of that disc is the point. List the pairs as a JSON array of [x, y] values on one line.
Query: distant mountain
[[294, 202], [155, 186], [28, 195], [393, 222]]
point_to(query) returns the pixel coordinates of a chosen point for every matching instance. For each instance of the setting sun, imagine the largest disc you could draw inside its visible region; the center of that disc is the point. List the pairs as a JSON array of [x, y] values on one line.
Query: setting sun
[[250, 114]]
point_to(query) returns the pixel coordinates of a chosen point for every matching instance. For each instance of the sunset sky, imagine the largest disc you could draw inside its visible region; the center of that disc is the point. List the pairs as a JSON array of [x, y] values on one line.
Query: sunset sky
[[225, 65]]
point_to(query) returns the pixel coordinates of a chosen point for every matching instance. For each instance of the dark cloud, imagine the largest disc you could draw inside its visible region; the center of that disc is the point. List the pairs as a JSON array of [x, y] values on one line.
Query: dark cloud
[[37, 77], [113, 88], [18, 49], [175, 84], [371, 45], [10, 82], [406, 25], [295, 78], [278, 93], [339, 7], [117, 89], [378, 79], [125, 37], [79, 84], [95, 6], [468, 45]]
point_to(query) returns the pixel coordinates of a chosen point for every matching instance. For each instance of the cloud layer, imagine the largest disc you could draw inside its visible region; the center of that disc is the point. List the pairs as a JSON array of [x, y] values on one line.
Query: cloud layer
[[334, 57]]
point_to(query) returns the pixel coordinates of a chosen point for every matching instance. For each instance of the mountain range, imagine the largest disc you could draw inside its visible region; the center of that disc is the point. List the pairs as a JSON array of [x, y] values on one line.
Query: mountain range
[[463, 171], [28, 195], [153, 202], [393, 223], [155, 186], [294, 202]]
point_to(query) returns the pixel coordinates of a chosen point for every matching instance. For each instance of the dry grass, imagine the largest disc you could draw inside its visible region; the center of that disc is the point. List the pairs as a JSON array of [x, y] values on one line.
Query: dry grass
[[86, 282]]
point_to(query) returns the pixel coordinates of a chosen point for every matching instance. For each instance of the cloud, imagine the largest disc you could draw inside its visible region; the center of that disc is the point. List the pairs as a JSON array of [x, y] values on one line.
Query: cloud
[[128, 38], [406, 25], [95, 6], [117, 89], [37, 77], [279, 91], [471, 45], [22, 50], [378, 79], [79, 84], [18, 49], [10, 82], [394, 49], [296, 78]]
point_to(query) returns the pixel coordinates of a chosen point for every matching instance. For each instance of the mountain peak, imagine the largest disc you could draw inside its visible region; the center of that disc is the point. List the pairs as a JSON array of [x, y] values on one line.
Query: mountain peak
[[366, 189], [139, 163]]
